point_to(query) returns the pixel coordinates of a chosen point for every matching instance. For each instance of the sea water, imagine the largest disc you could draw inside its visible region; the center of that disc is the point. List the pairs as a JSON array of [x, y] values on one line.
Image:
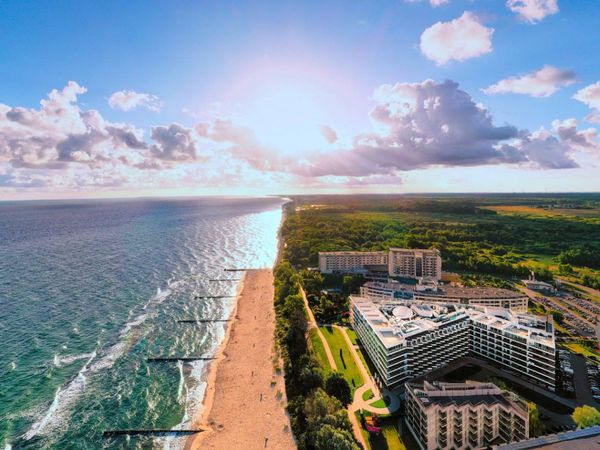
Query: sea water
[[90, 289]]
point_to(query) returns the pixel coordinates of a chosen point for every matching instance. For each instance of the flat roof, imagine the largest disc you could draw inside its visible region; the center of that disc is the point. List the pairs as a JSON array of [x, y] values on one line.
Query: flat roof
[[451, 291], [395, 330]]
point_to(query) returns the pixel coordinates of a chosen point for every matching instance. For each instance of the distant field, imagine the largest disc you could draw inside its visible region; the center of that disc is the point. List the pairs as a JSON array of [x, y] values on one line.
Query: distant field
[[563, 212]]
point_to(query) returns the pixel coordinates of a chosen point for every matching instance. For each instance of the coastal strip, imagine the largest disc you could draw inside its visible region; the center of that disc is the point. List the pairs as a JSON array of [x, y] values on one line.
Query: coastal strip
[[244, 405]]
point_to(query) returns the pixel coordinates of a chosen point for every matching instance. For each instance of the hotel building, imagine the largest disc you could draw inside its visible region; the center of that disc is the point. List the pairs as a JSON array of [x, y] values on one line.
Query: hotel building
[[409, 263], [351, 262], [408, 338], [467, 415], [399, 262], [432, 292]]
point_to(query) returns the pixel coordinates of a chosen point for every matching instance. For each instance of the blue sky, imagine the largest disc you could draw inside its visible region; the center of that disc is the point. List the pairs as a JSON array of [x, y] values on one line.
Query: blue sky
[[250, 86]]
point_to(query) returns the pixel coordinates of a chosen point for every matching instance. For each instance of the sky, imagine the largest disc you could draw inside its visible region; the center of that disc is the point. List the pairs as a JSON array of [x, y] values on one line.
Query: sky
[[142, 98]]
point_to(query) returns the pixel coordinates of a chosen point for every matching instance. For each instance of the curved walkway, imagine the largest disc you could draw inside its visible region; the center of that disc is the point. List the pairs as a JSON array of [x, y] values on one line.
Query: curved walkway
[[312, 323], [358, 402]]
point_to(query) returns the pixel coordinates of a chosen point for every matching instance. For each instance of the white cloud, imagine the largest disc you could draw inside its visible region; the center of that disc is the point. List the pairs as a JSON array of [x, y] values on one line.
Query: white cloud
[[459, 39], [533, 11], [128, 100], [541, 83], [416, 126], [590, 95]]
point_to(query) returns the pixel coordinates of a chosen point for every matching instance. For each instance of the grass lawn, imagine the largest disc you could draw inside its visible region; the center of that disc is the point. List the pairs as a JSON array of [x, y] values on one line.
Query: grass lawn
[[578, 348], [319, 350], [352, 335], [367, 395], [366, 361], [392, 437], [345, 363], [381, 403]]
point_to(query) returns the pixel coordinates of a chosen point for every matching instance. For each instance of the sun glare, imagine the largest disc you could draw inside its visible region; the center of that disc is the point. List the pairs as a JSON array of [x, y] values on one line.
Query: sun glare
[[286, 116]]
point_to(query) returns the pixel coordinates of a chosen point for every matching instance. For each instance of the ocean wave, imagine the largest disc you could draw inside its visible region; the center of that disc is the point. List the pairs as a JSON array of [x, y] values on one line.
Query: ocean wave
[[63, 398], [66, 360]]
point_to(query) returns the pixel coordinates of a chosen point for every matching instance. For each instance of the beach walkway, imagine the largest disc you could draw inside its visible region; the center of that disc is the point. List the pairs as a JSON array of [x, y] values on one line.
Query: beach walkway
[[245, 398]]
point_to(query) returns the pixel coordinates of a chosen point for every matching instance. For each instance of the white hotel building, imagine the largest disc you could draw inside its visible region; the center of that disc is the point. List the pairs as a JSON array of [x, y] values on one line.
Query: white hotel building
[[464, 415], [408, 338], [432, 292], [399, 262]]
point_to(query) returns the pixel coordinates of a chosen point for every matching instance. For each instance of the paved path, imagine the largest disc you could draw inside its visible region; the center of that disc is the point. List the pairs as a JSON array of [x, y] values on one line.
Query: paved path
[[312, 323]]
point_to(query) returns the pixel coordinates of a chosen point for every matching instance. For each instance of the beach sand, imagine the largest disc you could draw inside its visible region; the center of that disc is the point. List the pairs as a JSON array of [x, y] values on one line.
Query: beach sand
[[245, 397]]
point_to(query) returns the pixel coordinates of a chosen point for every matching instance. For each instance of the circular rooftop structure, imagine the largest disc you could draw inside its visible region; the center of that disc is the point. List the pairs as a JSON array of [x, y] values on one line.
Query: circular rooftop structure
[[402, 312]]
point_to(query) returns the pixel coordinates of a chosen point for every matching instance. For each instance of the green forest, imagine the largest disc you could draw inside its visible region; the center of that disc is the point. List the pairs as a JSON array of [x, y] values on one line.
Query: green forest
[[498, 235]]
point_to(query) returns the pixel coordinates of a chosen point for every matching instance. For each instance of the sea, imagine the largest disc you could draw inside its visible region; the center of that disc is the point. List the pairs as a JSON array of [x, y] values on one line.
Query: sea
[[89, 290]]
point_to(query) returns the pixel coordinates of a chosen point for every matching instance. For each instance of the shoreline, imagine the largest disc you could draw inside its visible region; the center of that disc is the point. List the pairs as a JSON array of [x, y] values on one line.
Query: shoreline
[[213, 367], [244, 401]]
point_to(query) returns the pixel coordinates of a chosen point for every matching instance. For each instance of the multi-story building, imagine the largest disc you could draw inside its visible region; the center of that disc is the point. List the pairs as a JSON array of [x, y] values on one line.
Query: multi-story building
[[409, 338], [433, 292], [415, 263], [399, 262], [352, 262], [467, 415]]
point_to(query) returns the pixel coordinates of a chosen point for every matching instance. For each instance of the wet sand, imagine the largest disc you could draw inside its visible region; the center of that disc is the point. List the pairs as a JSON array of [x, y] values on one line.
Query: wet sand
[[245, 397]]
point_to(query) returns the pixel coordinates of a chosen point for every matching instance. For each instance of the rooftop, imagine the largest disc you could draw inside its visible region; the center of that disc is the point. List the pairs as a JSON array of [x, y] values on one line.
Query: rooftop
[[396, 321], [434, 289], [470, 392]]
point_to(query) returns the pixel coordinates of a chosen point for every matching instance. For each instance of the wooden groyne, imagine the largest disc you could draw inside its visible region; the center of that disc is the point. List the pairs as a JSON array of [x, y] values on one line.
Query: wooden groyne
[[198, 297], [150, 432], [202, 320], [178, 358]]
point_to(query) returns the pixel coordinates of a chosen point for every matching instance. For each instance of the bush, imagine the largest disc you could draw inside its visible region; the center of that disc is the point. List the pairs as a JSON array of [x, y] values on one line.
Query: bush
[[586, 416]]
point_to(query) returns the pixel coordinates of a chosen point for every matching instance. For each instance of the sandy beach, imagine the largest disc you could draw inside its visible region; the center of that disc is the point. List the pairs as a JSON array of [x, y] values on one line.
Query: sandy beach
[[245, 398]]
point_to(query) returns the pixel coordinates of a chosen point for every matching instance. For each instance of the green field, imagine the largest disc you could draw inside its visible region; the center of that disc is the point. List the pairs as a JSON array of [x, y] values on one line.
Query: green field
[[345, 363]]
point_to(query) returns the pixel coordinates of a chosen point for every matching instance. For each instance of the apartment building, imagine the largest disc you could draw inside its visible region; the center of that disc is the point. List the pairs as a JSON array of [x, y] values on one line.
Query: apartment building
[[415, 263], [467, 415], [431, 291], [409, 338], [352, 262], [406, 263]]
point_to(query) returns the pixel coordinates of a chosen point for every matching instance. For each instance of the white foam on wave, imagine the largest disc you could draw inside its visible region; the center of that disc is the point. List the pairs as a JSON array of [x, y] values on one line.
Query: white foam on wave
[[62, 398], [181, 380], [65, 397], [66, 360]]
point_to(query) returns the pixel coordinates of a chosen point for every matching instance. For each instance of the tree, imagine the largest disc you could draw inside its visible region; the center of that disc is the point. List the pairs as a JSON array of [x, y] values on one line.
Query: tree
[[320, 408], [536, 427], [586, 416], [331, 438], [337, 386], [558, 317]]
